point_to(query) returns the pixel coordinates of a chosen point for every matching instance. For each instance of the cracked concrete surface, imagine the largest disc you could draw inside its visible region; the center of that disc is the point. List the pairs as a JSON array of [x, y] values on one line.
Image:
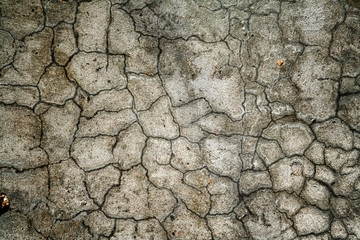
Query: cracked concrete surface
[[171, 119]]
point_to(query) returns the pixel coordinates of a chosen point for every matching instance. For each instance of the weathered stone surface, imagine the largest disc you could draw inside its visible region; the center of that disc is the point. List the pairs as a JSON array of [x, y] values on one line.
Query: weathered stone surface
[[146, 90], [288, 203], [227, 227], [7, 48], [25, 96], [313, 75], [14, 225], [67, 190], [64, 43], [55, 87], [24, 189], [185, 224], [145, 229], [289, 174], [206, 119], [269, 151], [293, 137], [158, 120], [265, 220], [251, 181], [349, 110], [337, 159], [137, 198], [188, 113], [96, 71], [156, 151], [91, 25], [142, 51], [59, 127], [22, 18], [334, 133], [20, 138], [99, 224], [174, 19], [316, 194], [313, 25], [128, 149], [190, 76], [108, 123], [311, 220], [98, 182], [324, 174], [187, 156], [71, 229], [33, 55], [221, 155], [346, 44], [111, 101], [315, 152], [216, 123], [338, 230], [56, 12], [93, 153]]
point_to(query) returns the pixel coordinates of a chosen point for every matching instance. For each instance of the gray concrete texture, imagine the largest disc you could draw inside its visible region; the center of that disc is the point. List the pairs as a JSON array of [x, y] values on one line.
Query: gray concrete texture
[[180, 119]]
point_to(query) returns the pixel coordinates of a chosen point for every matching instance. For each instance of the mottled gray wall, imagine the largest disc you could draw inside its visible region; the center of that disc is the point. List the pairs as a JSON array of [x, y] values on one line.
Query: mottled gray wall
[[180, 119]]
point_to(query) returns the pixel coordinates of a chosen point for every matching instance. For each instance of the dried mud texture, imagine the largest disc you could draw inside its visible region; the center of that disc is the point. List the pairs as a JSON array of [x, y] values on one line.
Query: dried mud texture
[[172, 119]]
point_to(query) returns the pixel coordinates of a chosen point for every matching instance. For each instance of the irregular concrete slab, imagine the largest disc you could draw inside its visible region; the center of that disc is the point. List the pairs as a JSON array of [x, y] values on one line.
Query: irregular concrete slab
[[15, 225], [20, 138], [311, 220], [305, 27], [137, 198], [7, 48], [56, 13], [188, 113], [68, 191], [146, 90], [111, 101], [334, 133], [108, 123], [222, 155], [185, 224], [129, 146], [33, 55], [98, 182], [158, 120], [293, 137], [22, 18], [59, 127], [96, 71], [64, 43], [145, 229], [227, 227], [349, 110], [316, 194], [187, 156], [55, 87], [91, 25], [188, 75], [24, 96], [99, 224], [289, 174], [252, 181], [93, 153], [174, 19]]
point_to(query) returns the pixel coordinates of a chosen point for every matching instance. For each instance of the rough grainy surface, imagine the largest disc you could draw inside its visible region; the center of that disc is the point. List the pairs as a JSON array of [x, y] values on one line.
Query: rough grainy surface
[[173, 119]]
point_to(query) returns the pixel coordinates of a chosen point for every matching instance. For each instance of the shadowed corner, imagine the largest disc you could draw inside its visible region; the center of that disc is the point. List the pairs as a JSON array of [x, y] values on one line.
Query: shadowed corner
[[5, 203]]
